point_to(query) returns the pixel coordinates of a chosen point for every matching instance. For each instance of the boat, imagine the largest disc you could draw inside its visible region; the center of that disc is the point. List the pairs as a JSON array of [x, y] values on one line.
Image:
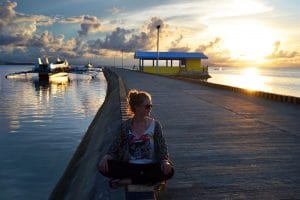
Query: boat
[[89, 65], [46, 69], [60, 65]]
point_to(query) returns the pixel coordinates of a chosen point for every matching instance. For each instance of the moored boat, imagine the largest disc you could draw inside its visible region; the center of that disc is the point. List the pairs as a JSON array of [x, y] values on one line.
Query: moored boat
[[89, 65], [60, 65], [46, 69]]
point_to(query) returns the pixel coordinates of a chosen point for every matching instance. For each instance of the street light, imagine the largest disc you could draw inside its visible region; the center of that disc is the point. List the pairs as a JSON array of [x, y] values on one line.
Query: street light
[[114, 60], [157, 27], [122, 59]]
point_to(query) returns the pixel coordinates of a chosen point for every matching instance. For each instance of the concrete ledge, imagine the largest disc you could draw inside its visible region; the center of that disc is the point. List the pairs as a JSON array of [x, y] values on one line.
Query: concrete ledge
[[142, 192], [81, 180], [139, 192], [123, 100]]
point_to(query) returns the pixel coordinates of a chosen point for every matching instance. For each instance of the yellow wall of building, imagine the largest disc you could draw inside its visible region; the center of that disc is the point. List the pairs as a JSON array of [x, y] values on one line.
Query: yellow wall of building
[[193, 65], [162, 70]]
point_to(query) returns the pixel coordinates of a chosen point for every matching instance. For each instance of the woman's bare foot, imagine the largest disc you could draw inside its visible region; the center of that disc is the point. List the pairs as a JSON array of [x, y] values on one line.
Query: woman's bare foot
[[125, 182], [115, 183]]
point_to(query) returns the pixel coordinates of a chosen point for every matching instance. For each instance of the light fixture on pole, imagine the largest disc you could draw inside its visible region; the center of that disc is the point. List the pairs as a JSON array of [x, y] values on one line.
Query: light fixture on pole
[[157, 27]]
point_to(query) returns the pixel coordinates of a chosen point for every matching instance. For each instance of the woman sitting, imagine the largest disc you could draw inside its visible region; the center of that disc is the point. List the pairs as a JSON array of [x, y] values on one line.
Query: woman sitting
[[139, 154]]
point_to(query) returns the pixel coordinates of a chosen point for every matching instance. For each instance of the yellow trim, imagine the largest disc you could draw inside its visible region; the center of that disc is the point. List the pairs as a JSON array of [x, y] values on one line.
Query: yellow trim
[[162, 70], [192, 65]]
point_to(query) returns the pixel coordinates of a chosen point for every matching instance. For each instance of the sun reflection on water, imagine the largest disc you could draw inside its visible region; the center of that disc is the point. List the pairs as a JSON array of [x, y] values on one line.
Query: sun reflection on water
[[251, 79]]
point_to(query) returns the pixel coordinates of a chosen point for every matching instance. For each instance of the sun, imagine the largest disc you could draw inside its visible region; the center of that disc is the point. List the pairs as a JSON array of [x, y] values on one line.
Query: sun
[[248, 41]]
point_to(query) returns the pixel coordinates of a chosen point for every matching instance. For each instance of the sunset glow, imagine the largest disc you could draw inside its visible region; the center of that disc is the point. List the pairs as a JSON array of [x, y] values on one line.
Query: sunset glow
[[248, 41], [252, 80], [230, 33]]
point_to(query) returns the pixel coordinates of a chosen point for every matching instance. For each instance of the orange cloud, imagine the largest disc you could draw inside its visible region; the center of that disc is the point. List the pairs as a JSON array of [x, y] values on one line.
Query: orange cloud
[[282, 54], [216, 54]]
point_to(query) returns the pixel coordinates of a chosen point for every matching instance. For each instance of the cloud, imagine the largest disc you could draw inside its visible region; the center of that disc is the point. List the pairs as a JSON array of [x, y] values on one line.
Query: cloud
[[15, 40], [210, 46], [116, 10], [118, 41], [91, 24], [180, 49], [127, 40], [72, 20], [177, 41], [46, 39], [154, 22], [17, 29], [216, 54], [7, 10], [282, 54], [88, 24], [176, 45]]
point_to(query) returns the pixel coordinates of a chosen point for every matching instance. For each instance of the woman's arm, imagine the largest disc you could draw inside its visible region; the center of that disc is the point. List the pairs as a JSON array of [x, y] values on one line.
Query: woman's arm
[[115, 149], [166, 164], [162, 148]]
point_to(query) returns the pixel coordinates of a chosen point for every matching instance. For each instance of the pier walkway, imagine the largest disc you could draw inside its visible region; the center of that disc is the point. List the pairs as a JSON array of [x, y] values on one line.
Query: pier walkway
[[224, 145]]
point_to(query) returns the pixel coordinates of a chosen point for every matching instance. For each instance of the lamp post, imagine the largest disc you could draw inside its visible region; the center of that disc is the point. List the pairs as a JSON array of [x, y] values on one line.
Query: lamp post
[[122, 59], [114, 60], [157, 27]]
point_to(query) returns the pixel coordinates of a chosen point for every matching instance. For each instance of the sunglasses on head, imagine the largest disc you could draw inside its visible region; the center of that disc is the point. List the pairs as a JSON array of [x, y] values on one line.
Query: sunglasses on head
[[148, 106]]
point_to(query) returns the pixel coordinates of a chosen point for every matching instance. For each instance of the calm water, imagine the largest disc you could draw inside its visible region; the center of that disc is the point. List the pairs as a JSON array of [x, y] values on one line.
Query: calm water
[[285, 80], [41, 124]]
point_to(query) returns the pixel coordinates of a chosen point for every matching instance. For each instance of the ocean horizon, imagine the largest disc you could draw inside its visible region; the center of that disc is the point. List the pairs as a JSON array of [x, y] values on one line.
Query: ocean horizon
[[277, 80]]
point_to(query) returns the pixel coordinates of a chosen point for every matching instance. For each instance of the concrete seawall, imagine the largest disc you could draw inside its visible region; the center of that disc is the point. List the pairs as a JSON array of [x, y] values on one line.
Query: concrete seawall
[[81, 179]]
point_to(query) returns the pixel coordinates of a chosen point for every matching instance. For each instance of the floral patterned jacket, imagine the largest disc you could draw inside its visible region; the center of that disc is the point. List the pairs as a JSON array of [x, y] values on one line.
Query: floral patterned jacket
[[119, 149]]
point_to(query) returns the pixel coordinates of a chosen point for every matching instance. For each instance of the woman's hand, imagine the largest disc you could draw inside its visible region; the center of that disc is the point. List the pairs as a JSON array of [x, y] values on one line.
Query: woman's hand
[[166, 167], [103, 165]]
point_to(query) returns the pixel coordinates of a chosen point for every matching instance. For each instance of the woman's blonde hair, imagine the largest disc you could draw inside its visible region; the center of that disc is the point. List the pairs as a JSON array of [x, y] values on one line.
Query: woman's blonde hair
[[136, 98]]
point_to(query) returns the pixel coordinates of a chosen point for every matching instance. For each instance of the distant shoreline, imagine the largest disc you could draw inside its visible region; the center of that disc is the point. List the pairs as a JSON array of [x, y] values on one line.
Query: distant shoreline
[[15, 63]]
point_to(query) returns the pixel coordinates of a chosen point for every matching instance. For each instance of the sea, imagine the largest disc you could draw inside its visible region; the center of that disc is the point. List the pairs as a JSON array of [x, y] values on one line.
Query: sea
[[277, 80], [41, 125]]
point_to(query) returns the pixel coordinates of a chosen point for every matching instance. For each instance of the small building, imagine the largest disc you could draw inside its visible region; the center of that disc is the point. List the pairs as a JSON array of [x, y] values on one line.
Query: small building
[[170, 62]]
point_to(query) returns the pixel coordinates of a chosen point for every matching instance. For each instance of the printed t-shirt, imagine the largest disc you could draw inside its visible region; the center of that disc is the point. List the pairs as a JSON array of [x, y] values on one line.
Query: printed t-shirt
[[141, 149]]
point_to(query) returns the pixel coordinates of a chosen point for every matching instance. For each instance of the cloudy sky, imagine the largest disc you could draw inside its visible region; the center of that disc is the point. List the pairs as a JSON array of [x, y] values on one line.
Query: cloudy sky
[[229, 32]]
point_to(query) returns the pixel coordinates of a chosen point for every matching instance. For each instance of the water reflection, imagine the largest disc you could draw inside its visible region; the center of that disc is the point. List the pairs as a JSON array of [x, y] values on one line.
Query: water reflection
[[46, 87], [250, 78], [48, 119]]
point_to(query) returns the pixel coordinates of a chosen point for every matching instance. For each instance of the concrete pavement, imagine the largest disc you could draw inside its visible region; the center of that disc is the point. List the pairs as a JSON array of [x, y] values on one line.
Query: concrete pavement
[[225, 145]]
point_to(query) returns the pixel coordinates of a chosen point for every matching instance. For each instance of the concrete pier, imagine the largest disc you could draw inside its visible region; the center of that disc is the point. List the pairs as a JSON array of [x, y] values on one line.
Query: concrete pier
[[225, 145], [81, 179]]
